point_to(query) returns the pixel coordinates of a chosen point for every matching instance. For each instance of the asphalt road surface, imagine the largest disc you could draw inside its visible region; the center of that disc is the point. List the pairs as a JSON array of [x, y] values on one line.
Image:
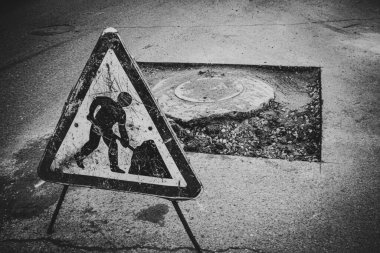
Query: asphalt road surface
[[248, 204]]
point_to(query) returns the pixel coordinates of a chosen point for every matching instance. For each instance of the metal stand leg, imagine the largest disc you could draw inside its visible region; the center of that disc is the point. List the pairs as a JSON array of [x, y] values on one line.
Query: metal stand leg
[[56, 211], [186, 226]]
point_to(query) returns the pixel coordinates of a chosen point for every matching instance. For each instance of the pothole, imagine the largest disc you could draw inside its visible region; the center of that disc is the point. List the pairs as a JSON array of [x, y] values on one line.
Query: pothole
[[287, 125], [52, 30]]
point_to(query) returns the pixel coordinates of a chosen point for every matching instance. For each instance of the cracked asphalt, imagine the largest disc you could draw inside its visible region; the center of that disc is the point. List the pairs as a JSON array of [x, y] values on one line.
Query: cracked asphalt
[[248, 204], [62, 246]]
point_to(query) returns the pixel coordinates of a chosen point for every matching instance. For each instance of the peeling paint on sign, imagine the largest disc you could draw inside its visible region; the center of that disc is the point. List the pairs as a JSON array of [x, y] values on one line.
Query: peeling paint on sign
[[112, 134]]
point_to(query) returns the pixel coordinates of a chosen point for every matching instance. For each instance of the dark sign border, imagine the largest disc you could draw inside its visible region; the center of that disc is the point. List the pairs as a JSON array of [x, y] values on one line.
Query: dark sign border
[[111, 40]]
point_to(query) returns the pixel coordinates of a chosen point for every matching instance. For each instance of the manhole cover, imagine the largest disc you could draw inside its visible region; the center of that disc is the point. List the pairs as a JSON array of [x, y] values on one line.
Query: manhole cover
[[189, 95], [208, 90]]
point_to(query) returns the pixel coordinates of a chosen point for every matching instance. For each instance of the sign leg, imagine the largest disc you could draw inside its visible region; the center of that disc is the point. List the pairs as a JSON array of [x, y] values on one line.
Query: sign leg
[[56, 211], [186, 226]]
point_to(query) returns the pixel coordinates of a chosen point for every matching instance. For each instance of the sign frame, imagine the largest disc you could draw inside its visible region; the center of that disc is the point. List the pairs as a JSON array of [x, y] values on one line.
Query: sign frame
[[110, 39]]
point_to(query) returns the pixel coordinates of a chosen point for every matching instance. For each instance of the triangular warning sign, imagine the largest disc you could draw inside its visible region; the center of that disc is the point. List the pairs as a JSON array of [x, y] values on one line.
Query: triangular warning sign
[[112, 134]]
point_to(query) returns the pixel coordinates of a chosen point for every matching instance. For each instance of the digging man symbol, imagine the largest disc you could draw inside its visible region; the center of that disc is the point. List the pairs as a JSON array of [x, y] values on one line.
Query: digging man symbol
[[109, 113]]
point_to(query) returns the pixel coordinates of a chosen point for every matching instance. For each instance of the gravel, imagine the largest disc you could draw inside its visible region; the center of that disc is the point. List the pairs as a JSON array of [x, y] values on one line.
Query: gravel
[[274, 132]]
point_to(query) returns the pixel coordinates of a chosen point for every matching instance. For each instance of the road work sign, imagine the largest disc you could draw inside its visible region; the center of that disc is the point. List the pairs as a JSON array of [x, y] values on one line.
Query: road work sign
[[112, 134]]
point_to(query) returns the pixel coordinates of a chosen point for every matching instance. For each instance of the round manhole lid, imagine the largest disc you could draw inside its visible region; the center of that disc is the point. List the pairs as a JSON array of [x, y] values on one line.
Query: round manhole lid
[[188, 96], [208, 90]]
